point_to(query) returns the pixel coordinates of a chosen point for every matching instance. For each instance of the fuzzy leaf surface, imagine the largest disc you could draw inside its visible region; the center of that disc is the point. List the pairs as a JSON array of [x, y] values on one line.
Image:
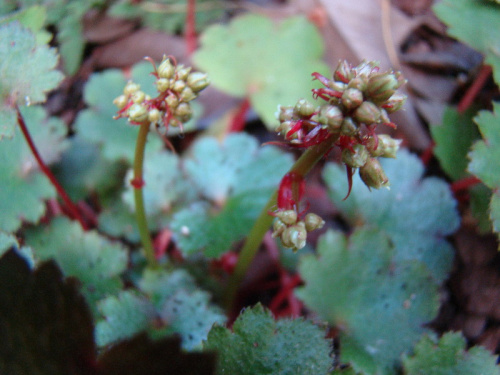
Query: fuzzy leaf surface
[[448, 356], [24, 187], [379, 304], [260, 345], [417, 213], [94, 260], [270, 64], [238, 178], [27, 73], [481, 31]]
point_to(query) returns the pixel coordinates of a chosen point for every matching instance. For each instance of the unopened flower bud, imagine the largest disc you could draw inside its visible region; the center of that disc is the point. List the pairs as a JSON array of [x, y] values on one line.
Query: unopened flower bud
[[349, 127], [343, 72], [367, 113], [278, 227], [162, 84], [197, 81], [357, 158], [373, 175], [295, 236], [183, 112], [313, 222], [138, 97], [395, 102], [382, 86], [284, 127], [172, 101], [166, 69], [187, 95], [130, 88], [352, 98], [137, 113], [183, 72], [388, 146], [359, 82], [303, 108], [288, 217], [366, 68], [333, 116], [178, 86], [154, 116], [284, 113], [121, 101]]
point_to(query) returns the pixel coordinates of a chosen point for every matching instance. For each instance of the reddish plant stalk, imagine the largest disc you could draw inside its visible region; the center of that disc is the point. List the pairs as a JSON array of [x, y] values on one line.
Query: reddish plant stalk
[[238, 120], [474, 89], [191, 40], [75, 213], [464, 184]]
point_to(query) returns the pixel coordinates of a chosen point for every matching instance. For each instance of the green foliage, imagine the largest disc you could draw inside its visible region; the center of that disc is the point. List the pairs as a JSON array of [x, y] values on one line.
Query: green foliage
[[260, 345], [379, 303], [238, 179], [24, 187], [447, 356], [8, 241], [484, 161], [417, 213], [167, 303], [481, 31], [34, 19], [26, 73], [270, 64], [94, 260]]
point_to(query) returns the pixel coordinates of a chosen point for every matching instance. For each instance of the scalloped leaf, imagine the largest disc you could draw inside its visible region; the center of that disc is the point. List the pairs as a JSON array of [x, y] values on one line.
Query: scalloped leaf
[[481, 31], [379, 304], [484, 158], [24, 187], [9, 241], [45, 323], [239, 178], [93, 259], [27, 73], [116, 138], [271, 64], [448, 356], [258, 344], [33, 18], [417, 213]]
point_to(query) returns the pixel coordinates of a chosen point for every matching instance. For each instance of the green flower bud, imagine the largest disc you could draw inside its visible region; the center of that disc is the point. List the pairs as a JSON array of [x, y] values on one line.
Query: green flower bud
[[382, 86], [333, 117], [384, 117], [357, 158], [278, 227], [175, 122], [303, 108], [183, 112], [343, 72], [337, 86], [284, 113], [137, 113], [366, 68], [154, 116], [349, 127], [162, 84], [197, 81], [352, 98], [183, 72], [284, 127], [121, 101], [295, 236], [367, 113], [313, 222], [130, 88], [288, 217], [388, 146], [373, 175], [187, 95], [166, 69], [172, 101], [395, 102], [360, 83], [178, 86], [138, 97]]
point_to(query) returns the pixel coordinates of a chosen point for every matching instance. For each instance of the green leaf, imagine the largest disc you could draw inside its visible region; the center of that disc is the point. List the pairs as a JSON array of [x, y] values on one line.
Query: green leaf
[[481, 31], [271, 64], [258, 344], [70, 36], [238, 178], [448, 356], [116, 138], [46, 326], [94, 260], [417, 213], [33, 18], [379, 304], [26, 73], [24, 187], [9, 241]]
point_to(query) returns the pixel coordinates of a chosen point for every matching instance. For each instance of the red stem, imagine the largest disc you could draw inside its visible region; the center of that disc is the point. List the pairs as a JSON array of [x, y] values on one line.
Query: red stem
[[60, 190], [191, 40], [238, 120], [474, 89], [464, 184]]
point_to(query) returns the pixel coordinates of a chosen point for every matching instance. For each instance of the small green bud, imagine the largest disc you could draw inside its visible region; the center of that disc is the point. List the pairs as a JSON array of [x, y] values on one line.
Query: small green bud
[[183, 112], [175, 122], [343, 72], [284, 127], [366, 68], [313, 222], [166, 69], [333, 116], [288, 217], [138, 97], [187, 95], [295, 236], [137, 113], [382, 86], [197, 81], [384, 117], [359, 82], [373, 175], [349, 127], [352, 98], [388, 146], [178, 86], [284, 113], [172, 101], [337, 86], [367, 113], [357, 158], [278, 227], [154, 116], [162, 84], [121, 101], [395, 102], [183, 72], [130, 88], [303, 108]]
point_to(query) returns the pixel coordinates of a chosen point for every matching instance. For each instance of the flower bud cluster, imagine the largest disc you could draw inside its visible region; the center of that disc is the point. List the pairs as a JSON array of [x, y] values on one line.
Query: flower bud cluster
[[356, 100], [293, 231], [176, 86]]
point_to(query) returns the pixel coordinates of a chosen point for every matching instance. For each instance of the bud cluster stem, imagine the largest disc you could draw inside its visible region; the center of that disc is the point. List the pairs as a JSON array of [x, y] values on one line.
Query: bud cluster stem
[[302, 166]]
